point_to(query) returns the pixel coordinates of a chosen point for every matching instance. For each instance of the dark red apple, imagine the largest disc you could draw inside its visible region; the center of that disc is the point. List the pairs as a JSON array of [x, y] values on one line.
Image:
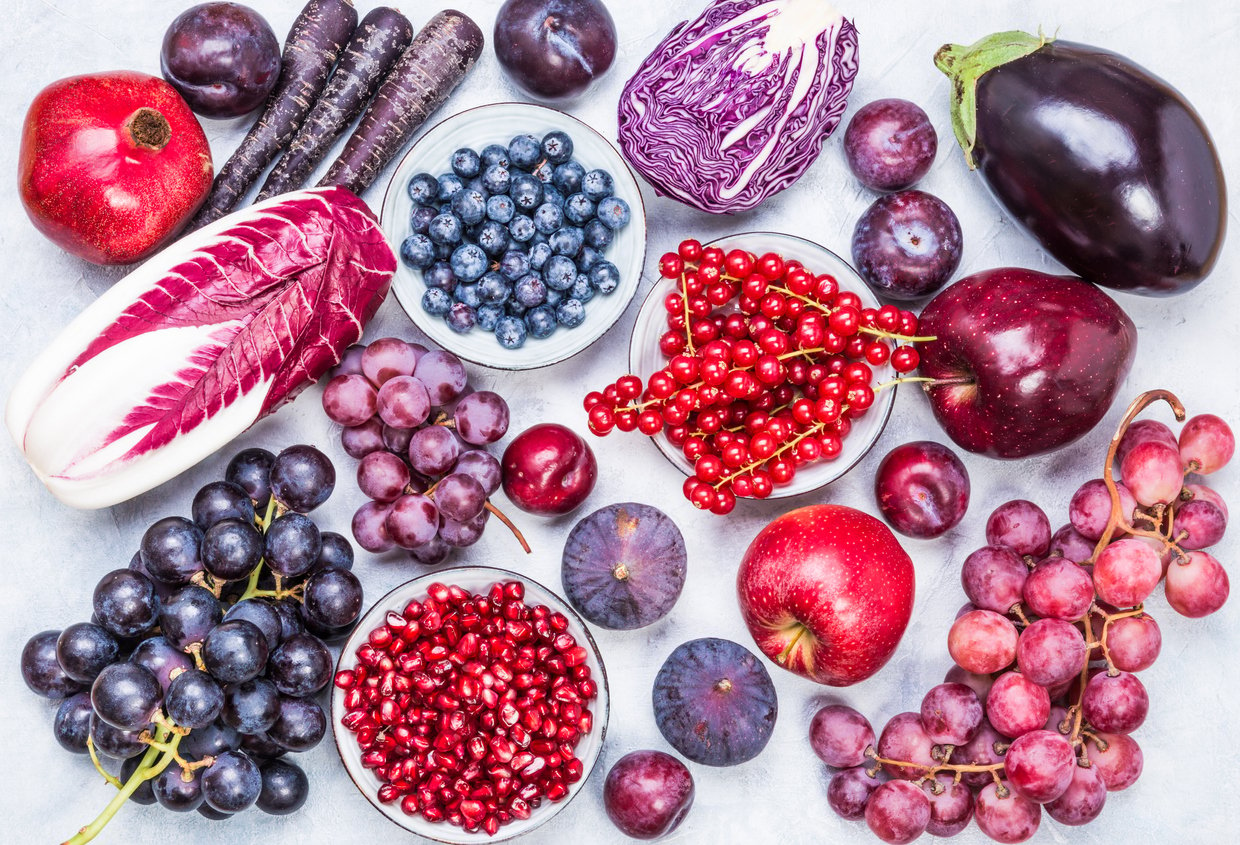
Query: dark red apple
[[1023, 362], [827, 592], [548, 470]]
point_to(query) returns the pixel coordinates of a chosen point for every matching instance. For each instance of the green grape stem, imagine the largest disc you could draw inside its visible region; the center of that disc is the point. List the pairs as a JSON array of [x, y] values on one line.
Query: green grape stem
[[154, 761]]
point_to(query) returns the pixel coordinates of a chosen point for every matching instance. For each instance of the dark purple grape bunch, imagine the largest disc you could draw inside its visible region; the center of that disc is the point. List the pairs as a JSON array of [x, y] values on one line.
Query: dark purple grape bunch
[[204, 660], [1038, 713], [420, 433]]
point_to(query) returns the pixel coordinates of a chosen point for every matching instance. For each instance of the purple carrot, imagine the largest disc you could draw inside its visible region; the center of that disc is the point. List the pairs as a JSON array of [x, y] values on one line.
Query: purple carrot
[[314, 42], [422, 79], [377, 43]]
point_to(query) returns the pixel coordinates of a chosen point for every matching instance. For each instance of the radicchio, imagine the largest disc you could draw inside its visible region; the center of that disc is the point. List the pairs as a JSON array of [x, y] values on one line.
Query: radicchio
[[190, 349], [733, 107]]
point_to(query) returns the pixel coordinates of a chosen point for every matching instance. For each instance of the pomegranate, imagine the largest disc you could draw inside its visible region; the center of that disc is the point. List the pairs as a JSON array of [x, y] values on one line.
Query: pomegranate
[[112, 165]]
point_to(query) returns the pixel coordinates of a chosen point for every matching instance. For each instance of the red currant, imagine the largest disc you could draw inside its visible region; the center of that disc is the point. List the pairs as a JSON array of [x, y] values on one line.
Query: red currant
[[712, 256], [703, 497], [769, 370], [738, 263], [798, 281], [869, 317], [742, 486], [649, 422], [694, 447], [734, 455], [809, 449], [877, 353], [724, 502], [855, 347], [708, 468], [628, 387], [888, 318], [848, 299], [826, 288], [601, 419], [672, 343], [709, 274], [827, 409], [719, 294], [773, 341], [860, 397], [905, 359], [671, 266], [740, 384], [703, 331], [674, 415], [683, 368], [626, 420], [844, 321], [691, 250], [908, 324], [832, 343], [676, 434], [710, 420], [831, 444], [772, 305], [803, 411], [661, 385], [782, 470], [744, 353], [674, 303], [592, 398], [771, 266], [858, 373], [734, 326]]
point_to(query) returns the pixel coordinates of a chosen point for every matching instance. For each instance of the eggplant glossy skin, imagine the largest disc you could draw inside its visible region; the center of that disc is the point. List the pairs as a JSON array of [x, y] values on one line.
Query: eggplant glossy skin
[[1106, 165]]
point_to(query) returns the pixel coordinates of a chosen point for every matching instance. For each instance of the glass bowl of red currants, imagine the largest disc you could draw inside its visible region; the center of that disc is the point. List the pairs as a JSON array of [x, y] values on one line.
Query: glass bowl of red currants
[[470, 705], [770, 365]]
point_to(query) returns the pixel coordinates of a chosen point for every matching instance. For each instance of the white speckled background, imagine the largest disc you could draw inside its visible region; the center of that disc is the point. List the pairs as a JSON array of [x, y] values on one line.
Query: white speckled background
[[52, 556]]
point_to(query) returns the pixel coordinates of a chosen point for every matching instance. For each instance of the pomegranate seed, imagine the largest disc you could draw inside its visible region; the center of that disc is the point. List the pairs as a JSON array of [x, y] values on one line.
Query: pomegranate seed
[[556, 791], [503, 749], [587, 688], [431, 622], [353, 699], [542, 746], [575, 656], [553, 760], [519, 809], [549, 728], [372, 759], [513, 610], [521, 759], [409, 804], [476, 747], [573, 770], [385, 664], [354, 719], [555, 665], [563, 642], [491, 825], [587, 722], [566, 751], [503, 786], [438, 592], [529, 793], [559, 622], [444, 742], [514, 590], [458, 595], [345, 680], [520, 736], [432, 813]]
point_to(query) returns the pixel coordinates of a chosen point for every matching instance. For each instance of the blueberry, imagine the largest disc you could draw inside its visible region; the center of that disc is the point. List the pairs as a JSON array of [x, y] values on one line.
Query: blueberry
[[471, 232], [449, 184], [548, 218], [539, 253], [420, 218], [493, 238], [544, 173], [475, 184], [540, 321], [424, 189], [557, 147], [500, 208], [597, 184], [567, 240], [443, 251], [567, 177], [605, 277], [539, 238], [526, 192], [578, 209], [436, 301], [582, 291], [588, 257], [470, 206], [529, 291], [461, 318], [524, 152], [466, 163], [513, 265], [560, 272], [510, 332], [554, 297], [444, 229], [492, 289], [551, 194], [469, 262], [521, 228], [489, 316], [570, 313], [598, 235], [417, 251], [514, 308], [440, 275], [614, 212], [467, 294], [494, 154], [496, 178]]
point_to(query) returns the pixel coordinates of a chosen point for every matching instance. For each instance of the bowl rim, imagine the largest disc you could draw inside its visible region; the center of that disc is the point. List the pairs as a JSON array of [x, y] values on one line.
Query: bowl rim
[[640, 205], [660, 440], [349, 647]]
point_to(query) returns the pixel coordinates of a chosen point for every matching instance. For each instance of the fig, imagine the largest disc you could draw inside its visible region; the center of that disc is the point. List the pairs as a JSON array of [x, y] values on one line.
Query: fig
[[714, 702], [624, 566]]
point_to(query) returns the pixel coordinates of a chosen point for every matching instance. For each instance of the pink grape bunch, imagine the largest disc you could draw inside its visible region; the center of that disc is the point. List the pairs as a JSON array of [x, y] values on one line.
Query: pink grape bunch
[[1038, 711], [419, 433]]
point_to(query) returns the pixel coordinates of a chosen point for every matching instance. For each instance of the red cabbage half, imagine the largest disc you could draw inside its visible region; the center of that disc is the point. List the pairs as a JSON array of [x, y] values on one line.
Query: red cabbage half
[[732, 107]]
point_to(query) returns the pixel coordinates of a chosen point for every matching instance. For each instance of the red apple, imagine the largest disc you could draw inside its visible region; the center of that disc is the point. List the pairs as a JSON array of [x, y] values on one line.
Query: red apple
[[1023, 362], [548, 470], [827, 592], [112, 165]]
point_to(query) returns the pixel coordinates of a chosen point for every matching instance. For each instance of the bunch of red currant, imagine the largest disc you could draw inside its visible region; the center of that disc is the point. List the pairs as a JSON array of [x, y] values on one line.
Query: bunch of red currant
[[768, 366]]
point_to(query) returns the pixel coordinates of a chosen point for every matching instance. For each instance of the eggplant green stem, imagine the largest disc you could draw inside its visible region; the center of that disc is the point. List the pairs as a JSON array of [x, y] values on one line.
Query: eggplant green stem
[[964, 66]]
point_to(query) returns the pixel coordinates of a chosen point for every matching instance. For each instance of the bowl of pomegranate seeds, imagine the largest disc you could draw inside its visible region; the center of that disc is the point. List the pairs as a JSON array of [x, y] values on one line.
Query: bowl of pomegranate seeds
[[470, 705], [761, 366]]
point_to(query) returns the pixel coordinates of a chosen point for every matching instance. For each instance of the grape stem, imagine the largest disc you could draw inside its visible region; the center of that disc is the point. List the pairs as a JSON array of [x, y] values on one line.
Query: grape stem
[[251, 588], [502, 517], [94, 758], [956, 769], [154, 761]]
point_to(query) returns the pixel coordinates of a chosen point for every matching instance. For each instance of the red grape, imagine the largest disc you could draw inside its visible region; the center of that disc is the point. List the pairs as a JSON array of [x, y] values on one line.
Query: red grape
[[897, 812], [1059, 589], [1115, 703], [1133, 642], [1039, 765], [1082, 801], [1119, 764], [951, 714], [1016, 705], [849, 792], [993, 578], [1090, 508], [839, 735], [360, 440], [951, 809], [1199, 524], [982, 641], [904, 739], [980, 684], [979, 751], [403, 402], [1050, 652], [412, 521], [349, 400], [387, 357], [1020, 525], [1142, 431], [1008, 819], [1068, 543], [1206, 444], [1126, 572], [382, 476], [1201, 491], [1151, 470], [1199, 587]]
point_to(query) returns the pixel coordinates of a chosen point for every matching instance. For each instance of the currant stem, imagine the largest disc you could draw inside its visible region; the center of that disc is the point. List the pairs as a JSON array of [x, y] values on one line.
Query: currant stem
[[684, 297], [814, 429]]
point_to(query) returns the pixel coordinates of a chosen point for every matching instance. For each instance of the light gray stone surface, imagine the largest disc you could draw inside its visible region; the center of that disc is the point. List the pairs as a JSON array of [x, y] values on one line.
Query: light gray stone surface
[[52, 555]]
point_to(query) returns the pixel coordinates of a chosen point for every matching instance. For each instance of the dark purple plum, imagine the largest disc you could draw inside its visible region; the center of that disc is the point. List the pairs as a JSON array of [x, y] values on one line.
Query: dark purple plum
[[922, 489], [890, 144], [41, 670], [849, 791], [907, 245], [647, 794], [222, 58], [624, 566], [554, 49], [285, 788], [72, 723], [714, 702]]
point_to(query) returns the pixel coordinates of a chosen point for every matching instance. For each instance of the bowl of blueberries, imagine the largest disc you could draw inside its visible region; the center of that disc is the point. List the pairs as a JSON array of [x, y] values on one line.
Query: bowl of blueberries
[[521, 234]]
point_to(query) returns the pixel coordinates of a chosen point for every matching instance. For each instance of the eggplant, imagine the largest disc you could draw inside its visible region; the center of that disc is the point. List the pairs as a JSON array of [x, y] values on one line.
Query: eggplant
[[1104, 163]]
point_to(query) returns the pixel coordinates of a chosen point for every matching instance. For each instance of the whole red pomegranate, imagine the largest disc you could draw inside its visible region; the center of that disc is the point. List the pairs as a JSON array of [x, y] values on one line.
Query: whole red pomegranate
[[827, 592], [112, 165]]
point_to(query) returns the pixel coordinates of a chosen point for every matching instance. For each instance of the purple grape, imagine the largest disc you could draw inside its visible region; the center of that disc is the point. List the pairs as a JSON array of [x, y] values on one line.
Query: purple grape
[[382, 476], [235, 651], [951, 714], [126, 696], [370, 527], [292, 545], [840, 735], [412, 521], [223, 58], [71, 726], [433, 450], [263, 615], [84, 649], [285, 788], [396, 439], [173, 792], [332, 597], [890, 144], [302, 478], [301, 666], [360, 440], [431, 553], [250, 469], [251, 706], [231, 783], [459, 497], [403, 402], [221, 500], [194, 699], [162, 659], [188, 615], [443, 374], [482, 466], [231, 549], [171, 550], [300, 726], [849, 792], [481, 418], [41, 670], [907, 245], [350, 361], [114, 742]]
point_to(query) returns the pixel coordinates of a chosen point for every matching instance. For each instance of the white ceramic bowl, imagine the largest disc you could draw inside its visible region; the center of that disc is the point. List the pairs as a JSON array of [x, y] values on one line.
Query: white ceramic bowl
[[475, 579], [498, 124], [645, 357]]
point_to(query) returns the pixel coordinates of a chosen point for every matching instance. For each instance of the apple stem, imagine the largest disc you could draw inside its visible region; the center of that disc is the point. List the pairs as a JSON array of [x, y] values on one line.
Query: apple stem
[[783, 655], [516, 532]]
